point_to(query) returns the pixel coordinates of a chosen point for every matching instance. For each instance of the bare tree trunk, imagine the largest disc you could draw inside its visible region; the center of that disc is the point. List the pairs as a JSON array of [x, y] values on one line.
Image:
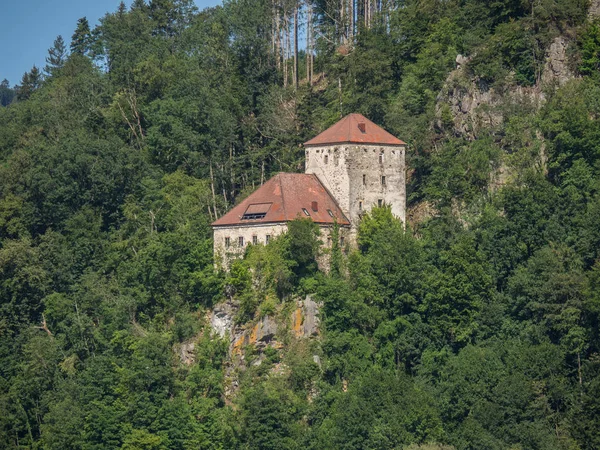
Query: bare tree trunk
[[231, 155], [340, 94], [308, 42], [295, 75], [285, 36], [352, 24], [277, 35], [288, 43], [342, 31], [212, 187]]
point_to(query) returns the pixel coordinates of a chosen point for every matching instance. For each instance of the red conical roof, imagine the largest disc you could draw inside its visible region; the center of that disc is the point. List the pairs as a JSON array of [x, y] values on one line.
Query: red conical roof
[[355, 129]]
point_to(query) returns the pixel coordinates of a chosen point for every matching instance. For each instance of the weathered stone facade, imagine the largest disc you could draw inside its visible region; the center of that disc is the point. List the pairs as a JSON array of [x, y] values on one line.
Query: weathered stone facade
[[225, 250], [361, 176]]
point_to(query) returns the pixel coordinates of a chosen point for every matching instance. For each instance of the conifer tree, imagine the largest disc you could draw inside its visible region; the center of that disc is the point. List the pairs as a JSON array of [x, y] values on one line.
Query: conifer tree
[[6, 93], [82, 37], [30, 82], [138, 5], [57, 54]]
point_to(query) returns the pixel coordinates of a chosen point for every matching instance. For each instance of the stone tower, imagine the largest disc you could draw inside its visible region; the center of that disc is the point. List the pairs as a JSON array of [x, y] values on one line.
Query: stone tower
[[361, 164]]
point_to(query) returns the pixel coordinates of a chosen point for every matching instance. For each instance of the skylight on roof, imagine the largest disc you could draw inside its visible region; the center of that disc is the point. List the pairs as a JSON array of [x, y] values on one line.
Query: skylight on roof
[[306, 211], [256, 211], [330, 212]]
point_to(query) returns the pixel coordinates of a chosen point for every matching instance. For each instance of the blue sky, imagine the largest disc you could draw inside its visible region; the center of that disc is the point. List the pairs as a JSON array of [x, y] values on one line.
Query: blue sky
[[28, 29]]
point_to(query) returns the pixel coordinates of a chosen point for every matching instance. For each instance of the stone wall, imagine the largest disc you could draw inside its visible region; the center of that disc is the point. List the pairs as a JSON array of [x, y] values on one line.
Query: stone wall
[[353, 174], [330, 165], [225, 254]]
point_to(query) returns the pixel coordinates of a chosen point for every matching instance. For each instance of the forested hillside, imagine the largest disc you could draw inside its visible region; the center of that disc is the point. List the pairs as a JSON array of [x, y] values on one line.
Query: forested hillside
[[474, 328]]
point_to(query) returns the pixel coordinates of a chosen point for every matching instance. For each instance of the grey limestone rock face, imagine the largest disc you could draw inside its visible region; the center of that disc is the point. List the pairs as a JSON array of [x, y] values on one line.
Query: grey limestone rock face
[[187, 354], [311, 318], [594, 10], [221, 319], [557, 68], [266, 329]]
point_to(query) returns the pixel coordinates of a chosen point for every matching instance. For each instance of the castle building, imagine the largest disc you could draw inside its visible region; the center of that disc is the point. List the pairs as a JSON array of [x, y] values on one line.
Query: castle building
[[351, 167]]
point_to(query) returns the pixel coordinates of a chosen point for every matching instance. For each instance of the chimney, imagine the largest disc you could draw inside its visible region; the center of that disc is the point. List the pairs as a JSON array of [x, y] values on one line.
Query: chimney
[[315, 206], [362, 127]]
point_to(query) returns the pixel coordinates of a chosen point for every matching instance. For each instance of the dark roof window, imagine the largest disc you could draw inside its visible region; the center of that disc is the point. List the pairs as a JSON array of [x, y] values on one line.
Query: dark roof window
[[256, 211], [306, 211]]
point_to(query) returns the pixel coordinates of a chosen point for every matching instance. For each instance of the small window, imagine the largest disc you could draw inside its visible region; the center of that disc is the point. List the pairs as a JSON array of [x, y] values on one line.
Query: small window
[[328, 241], [330, 213], [241, 241], [383, 180], [380, 203], [227, 242], [360, 206], [254, 240], [326, 159], [381, 158], [268, 238], [364, 180], [342, 241], [336, 159], [306, 211]]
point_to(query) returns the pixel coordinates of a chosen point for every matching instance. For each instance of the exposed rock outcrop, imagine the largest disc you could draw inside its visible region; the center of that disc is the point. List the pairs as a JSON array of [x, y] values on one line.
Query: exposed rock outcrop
[[259, 335], [556, 69], [268, 331], [468, 104], [594, 10], [305, 319], [187, 353], [221, 319]]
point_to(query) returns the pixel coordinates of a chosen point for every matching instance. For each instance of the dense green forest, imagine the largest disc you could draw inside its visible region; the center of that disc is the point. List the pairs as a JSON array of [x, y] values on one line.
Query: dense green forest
[[477, 327]]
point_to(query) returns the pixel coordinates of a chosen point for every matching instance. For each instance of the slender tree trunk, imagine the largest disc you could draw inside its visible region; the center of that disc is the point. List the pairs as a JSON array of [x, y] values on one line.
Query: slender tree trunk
[[277, 36], [340, 95], [288, 43], [285, 36], [308, 42], [212, 187], [342, 26], [295, 75], [352, 24], [232, 171]]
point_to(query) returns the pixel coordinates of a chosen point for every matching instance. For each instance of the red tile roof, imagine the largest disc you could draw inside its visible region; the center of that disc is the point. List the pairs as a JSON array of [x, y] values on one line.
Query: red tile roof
[[282, 199], [355, 129]]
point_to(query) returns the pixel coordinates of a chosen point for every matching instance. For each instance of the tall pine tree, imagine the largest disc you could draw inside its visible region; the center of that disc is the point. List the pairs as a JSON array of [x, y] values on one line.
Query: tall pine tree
[[82, 37], [57, 54], [30, 82], [6, 93]]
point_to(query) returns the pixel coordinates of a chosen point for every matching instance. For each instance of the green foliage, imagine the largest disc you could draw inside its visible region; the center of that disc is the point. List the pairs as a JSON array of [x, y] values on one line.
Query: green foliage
[[476, 326]]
